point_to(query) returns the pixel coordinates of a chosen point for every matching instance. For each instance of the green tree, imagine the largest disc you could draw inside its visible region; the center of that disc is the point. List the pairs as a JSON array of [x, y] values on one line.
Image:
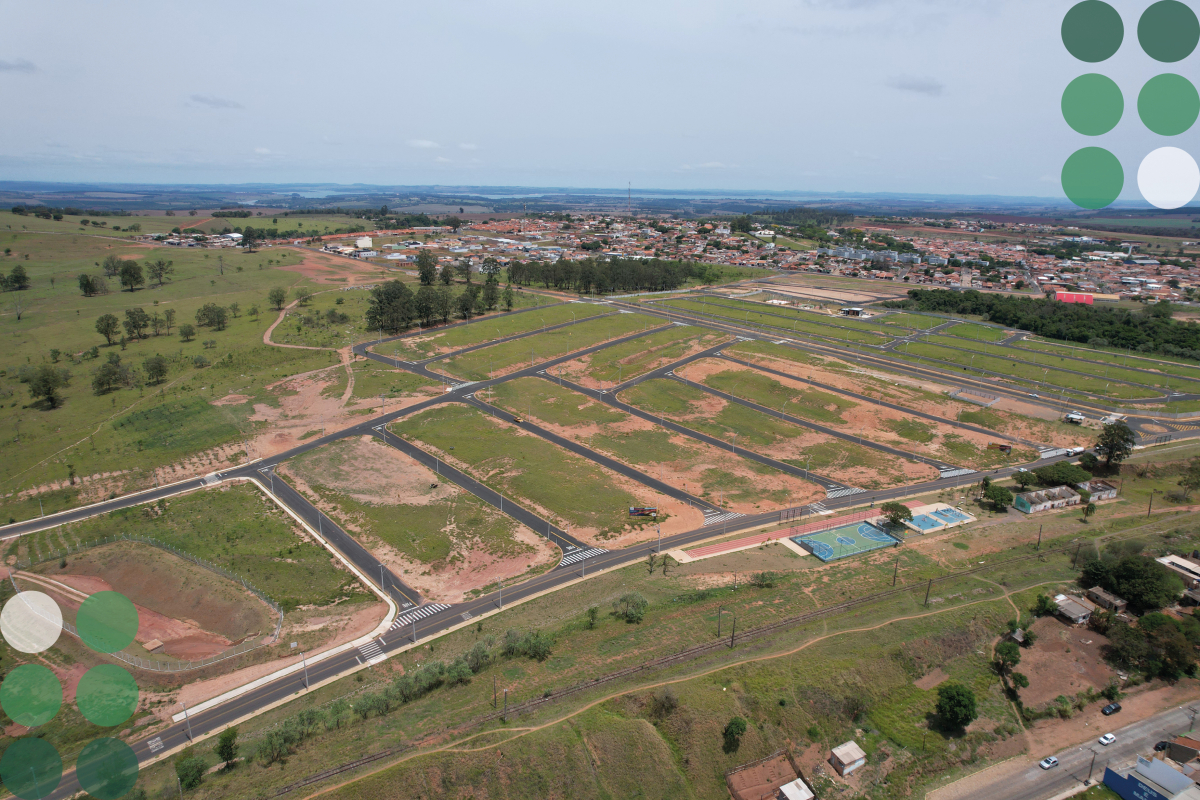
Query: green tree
[[111, 266], [190, 770], [303, 294], [1008, 655], [46, 382], [169, 319], [187, 332], [227, 746], [443, 303], [956, 705], [159, 269], [212, 316], [733, 732], [1000, 496], [391, 307], [1045, 606], [631, 607], [277, 297], [463, 268], [427, 267], [491, 296], [446, 275], [508, 297], [86, 286], [1191, 477], [1019, 680], [1024, 479], [896, 513], [1088, 510], [18, 279], [131, 274], [156, 368], [108, 326], [136, 322], [1115, 443], [592, 613]]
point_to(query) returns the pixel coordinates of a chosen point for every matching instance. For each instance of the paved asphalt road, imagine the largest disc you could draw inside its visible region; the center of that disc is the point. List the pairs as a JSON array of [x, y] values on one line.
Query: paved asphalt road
[[1036, 783], [218, 717]]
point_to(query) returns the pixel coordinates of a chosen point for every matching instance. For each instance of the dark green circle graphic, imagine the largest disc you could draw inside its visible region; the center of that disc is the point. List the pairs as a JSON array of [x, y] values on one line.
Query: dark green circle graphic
[[1168, 104], [107, 769], [107, 695], [31, 695], [30, 768], [1092, 177], [1092, 31], [1168, 31], [107, 621], [1092, 104]]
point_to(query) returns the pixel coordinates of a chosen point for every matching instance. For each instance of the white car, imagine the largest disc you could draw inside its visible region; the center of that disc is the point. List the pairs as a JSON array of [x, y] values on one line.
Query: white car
[[1107, 739], [1048, 762]]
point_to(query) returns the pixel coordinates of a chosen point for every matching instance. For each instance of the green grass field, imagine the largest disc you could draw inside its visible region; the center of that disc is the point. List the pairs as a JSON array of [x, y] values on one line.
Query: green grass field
[[782, 319], [628, 360], [810, 404], [1166, 364], [489, 328], [918, 322], [477, 365], [970, 330], [524, 467]]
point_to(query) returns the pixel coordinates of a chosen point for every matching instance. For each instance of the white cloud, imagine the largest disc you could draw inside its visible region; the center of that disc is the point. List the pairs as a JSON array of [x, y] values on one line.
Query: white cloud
[[20, 65], [467, 146], [212, 101], [262, 151], [443, 160], [925, 86], [705, 165], [423, 144]]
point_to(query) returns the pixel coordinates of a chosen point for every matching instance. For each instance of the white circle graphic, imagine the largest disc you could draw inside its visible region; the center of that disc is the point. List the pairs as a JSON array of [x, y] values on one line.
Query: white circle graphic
[[31, 622], [1168, 178]]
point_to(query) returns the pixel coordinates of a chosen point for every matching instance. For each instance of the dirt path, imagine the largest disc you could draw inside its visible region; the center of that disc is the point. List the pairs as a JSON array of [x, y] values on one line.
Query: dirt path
[[456, 747]]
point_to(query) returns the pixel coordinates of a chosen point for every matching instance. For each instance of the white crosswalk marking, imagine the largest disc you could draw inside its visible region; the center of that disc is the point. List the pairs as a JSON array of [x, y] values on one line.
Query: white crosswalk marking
[[818, 508], [580, 555], [834, 494], [372, 653], [714, 517], [954, 473], [420, 613]]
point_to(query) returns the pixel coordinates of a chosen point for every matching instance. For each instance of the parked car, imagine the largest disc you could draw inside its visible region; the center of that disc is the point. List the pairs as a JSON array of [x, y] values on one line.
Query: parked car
[[1107, 739], [1110, 709], [1048, 762], [1158, 748]]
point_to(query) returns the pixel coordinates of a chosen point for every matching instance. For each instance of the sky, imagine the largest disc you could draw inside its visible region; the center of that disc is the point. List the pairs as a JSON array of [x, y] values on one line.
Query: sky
[[913, 96]]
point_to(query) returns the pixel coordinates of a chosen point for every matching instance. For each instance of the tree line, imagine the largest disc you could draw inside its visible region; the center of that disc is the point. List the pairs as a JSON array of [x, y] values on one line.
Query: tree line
[[1148, 330], [606, 275]]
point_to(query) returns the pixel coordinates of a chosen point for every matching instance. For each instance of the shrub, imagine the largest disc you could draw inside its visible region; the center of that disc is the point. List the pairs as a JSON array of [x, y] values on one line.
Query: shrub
[[631, 607]]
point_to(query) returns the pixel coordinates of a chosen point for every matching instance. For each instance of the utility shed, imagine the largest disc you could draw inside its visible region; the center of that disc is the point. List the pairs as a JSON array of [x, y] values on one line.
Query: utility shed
[[1073, 610], [847, 757]]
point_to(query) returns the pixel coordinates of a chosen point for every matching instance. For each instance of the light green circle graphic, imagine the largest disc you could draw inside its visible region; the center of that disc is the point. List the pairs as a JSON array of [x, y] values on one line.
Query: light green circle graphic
[[31, 695], [1092, 104], [1092, 31], [31, 768], [1168, 31], [107, 621], [1168, 104], [1092, 177], [107, 769], [107, 695]]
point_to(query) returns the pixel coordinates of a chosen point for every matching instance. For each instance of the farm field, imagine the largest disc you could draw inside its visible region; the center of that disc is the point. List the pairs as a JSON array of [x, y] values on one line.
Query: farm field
[[622, 362], [847, 462], [552, 482], [437, 342], [503, 358], [781, 318], [1105, 372], [1159, 363], [917, 322], [440, 538], [698, 468], [865, 420]]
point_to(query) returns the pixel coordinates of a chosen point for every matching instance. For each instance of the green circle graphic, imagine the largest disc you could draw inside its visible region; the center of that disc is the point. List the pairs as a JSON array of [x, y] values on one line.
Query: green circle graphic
[[31, 695], [1168, 31], [1092, 31], [30, 768], [107, 621], [107, 769], [1092, 177], [107, 695], [1092, 104], [1168, 104]]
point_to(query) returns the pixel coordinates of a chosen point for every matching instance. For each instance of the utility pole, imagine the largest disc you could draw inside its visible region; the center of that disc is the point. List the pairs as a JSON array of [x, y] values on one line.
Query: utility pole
[[896, 572], [927, 590], [720, 611], [733, 632], [502, 593], [187, 721], [304, 664], [1039, 544], [1091, 767], [493, 691], [1075, 560]]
